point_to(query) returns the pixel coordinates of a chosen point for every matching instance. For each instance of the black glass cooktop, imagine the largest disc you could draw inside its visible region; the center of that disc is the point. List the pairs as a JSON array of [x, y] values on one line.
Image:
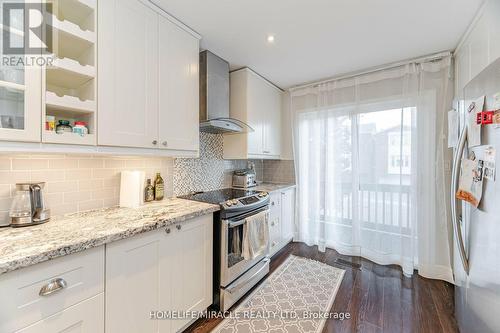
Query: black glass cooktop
[[219, 196]]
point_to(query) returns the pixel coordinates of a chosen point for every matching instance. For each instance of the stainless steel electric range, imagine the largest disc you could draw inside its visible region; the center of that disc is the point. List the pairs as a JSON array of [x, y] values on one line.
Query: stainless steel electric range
[[234, 275]]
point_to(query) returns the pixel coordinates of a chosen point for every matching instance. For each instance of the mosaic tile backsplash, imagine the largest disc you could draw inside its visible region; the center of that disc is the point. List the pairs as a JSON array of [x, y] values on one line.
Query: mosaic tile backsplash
[[211, 171], [208, 172]]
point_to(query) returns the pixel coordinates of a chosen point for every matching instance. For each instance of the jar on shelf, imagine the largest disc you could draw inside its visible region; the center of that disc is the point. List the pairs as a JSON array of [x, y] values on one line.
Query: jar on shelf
[[50, 123], [80, 128], [64, 127]]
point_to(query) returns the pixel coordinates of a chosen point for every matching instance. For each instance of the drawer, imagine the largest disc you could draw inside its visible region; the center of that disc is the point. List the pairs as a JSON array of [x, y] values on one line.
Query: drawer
[[21, 305], [84, 317]]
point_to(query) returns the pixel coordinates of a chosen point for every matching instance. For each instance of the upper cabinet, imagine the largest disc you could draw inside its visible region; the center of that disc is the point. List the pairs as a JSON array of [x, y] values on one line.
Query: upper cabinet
[[128, 74], [20, 103], [179, 88], [479, 47], [124, 71], [20, 95], [257, 102], [70, 83], [148, 78]]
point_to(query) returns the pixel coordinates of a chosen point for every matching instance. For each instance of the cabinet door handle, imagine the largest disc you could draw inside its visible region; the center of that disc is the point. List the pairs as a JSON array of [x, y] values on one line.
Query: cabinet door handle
[[164, 143], [266, 152], [167, 230], [272, 203], [155, 142], [178, 227], [52, 287]]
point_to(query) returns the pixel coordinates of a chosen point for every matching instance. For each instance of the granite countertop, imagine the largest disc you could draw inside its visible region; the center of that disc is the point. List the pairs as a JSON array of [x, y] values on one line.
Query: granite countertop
[[22, 247], [271, 187]]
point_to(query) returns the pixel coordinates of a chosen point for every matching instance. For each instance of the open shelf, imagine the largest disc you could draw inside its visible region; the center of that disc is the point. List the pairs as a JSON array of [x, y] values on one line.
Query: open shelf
[[74, 66], [69, 73], [71, 35], [69, 138], [69, 103], [70, 83], [80, 12]]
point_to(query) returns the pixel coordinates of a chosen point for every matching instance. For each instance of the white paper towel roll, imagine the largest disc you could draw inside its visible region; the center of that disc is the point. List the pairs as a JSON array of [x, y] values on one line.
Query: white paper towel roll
[[132, 188]]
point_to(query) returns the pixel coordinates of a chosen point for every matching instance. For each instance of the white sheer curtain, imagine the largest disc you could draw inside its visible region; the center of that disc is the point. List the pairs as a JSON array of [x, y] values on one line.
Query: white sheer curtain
[[370, 153]]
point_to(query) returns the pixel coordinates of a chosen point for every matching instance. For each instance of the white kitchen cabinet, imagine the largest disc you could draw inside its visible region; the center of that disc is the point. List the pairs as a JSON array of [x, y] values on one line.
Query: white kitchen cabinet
[[287, 213], [282, 218], [148, 78], [79, 277], [192, 278], [20, 102], [128, 74], [275, 219], [164, 270], [257, 102], [84, 317], [137, 282], [479, 47], [179, 88]]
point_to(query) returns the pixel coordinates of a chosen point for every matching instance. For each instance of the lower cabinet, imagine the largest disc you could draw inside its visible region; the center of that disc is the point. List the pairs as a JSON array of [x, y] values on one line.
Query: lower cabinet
[[60, 295], [282, 218], [159, 273], [87, 316], [288, 213]]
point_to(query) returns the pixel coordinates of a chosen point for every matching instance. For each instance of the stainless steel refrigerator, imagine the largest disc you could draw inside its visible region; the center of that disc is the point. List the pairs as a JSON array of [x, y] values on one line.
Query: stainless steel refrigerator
[[477, 230]]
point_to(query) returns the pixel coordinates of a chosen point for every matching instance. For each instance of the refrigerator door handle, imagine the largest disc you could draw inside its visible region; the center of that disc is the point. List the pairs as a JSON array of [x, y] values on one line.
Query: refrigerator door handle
[[454, 202]]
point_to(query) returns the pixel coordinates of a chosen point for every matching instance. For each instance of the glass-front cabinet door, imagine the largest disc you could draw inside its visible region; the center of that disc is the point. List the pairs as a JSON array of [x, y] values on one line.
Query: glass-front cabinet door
[[20, 85]]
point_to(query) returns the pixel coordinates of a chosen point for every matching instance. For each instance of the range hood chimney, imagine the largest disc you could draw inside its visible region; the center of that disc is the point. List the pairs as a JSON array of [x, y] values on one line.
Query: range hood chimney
[[214, 97]]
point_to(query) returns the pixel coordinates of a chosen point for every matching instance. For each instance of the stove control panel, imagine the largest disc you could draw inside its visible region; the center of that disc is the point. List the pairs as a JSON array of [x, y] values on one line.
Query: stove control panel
[[246, 201]]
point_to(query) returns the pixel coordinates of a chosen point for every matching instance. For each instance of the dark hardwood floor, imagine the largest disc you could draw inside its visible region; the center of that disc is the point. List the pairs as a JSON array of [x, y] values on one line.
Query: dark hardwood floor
[[378, 298]]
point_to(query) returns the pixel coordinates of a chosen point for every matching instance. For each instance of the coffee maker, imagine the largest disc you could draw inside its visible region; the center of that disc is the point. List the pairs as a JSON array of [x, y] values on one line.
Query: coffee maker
[[28, 207]]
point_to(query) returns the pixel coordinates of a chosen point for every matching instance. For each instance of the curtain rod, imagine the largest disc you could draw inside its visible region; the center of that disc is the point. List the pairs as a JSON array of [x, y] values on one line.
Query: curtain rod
[[427, 58]]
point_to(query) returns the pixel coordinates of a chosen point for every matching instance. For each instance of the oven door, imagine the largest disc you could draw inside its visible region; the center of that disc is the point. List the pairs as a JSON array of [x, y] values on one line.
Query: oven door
[[233, 263]]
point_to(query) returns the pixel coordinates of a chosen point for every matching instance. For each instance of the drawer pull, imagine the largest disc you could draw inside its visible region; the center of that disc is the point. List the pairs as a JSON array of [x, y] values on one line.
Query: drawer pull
[[52, 287]]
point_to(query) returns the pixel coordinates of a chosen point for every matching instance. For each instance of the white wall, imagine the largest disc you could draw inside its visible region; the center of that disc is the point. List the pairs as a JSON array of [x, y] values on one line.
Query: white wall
[[480, 46], [286, 128]]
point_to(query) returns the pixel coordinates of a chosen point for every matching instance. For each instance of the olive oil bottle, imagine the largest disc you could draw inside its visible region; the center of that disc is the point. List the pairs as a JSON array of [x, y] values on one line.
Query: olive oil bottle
[[149, 192], [159, 187]]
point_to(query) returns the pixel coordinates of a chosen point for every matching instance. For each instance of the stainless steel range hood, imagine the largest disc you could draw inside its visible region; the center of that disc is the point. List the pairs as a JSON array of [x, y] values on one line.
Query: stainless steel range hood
[[214, 97]]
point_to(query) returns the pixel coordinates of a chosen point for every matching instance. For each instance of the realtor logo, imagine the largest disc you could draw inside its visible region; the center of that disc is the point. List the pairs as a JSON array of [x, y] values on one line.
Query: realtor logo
[[27, 28]]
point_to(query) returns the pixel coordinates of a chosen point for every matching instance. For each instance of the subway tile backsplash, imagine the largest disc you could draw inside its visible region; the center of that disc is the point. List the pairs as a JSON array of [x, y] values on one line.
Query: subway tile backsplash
[[76, 183]]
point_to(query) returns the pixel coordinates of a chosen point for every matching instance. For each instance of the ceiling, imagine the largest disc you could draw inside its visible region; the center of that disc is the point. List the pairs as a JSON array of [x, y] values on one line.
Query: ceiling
[[315, 39]]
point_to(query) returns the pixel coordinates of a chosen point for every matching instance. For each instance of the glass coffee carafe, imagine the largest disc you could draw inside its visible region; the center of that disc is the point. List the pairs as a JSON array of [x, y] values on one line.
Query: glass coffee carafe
[[28, 206]]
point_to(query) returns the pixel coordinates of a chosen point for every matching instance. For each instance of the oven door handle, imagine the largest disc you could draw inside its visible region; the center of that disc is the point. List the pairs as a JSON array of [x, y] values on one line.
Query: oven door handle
[[236, 223], [238, 286]]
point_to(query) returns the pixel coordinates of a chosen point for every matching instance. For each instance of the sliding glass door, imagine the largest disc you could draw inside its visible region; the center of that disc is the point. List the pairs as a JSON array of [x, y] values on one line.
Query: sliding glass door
[[355, 176]]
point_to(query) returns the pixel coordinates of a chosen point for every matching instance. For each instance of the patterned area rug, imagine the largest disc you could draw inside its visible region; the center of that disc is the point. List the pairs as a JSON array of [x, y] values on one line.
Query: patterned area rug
[[297, 297]]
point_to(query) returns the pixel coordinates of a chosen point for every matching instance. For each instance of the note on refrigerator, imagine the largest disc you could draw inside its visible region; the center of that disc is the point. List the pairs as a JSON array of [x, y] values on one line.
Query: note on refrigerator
[[470, 184], [452, 128], [489, 163], [473, 128]]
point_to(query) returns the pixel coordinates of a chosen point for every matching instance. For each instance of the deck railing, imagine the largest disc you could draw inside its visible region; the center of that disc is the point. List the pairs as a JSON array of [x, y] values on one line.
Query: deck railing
[[381, 207]]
